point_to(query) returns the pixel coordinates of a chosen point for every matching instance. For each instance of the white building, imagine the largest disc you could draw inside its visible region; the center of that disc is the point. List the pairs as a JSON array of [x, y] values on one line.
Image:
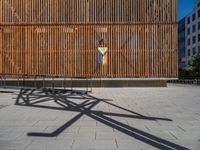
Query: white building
[[192, 34]]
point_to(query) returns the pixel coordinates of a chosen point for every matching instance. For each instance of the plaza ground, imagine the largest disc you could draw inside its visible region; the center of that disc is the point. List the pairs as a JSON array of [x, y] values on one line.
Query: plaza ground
[[106, 119]]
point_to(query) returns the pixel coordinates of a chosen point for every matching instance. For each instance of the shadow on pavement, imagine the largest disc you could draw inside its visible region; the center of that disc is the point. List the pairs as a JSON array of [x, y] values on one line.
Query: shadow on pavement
[[64, 98]]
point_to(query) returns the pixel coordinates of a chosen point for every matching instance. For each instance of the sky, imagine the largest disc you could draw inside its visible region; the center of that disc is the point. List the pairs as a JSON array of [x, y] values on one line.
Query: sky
[[185, 7]]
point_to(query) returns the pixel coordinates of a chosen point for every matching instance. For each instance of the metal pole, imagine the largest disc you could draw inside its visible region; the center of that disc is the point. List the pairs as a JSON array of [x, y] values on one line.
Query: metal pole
[[1, 81], [18, 80], [64, 83], [35, 86], [5, 81], [43, 82], [91, 84], [53, 84], [23, 81], [71, 84]]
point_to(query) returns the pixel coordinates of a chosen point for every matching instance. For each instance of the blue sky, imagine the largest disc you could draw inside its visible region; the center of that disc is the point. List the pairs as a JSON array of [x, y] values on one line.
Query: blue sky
[[185, 7]]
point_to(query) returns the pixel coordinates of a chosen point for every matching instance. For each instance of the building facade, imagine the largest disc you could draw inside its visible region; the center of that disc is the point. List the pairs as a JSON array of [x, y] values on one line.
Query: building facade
[[89, 38], [191, 23], [181, 43]]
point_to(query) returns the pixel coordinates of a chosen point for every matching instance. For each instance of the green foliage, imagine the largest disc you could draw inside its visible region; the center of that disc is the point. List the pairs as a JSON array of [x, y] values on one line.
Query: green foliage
[[186, 74], [191, 71], [196, 66]]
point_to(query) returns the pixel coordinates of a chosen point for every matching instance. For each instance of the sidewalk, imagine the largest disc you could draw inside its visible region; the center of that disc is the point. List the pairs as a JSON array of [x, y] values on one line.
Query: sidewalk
[[106, 119]]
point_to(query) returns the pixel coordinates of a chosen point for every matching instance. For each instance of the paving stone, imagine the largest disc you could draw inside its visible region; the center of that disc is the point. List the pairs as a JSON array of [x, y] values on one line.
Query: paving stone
[[50, 145], [105, 136], [76, 136], [82, 149], [50, 123], [84, 129], [71, 129], [10, 135], [13, 145], [85, 123], [25, 136], [118, 124], [134, 145], [12, 123], [94, 144]]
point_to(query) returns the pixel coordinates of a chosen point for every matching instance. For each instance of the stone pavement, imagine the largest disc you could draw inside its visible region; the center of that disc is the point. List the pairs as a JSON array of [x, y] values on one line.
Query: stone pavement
[[106, 119]]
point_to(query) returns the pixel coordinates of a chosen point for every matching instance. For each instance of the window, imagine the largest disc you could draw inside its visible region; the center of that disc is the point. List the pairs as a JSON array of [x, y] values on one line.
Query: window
[[198, 37], [198, 25], [198, 5], [188, 31], [194, 51], [188, 20], [189, 62], [188, 52], [188, 42], [193, 28], [199, 13], [193, 17], [193, 39], [199, 49]]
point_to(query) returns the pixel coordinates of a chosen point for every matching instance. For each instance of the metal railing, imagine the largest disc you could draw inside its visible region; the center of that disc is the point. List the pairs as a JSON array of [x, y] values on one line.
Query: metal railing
[[196, 82], [21, 79]]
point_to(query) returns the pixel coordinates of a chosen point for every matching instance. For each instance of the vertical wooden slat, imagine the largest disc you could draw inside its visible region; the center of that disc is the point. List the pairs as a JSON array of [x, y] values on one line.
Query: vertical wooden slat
[[61, 37]]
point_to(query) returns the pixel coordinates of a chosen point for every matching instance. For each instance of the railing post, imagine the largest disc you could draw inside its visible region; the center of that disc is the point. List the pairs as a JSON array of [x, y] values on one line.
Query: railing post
[[1, 80], [5, 81], [42, 81], [53, 84], [64, 82], [35, 81], [71, 83]]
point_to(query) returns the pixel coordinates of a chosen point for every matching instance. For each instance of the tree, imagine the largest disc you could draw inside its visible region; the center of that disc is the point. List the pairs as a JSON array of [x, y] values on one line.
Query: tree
[[196, 66]]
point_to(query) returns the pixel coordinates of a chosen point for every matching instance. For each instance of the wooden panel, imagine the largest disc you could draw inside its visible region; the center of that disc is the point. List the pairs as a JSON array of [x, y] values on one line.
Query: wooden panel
[[1, 53], [61, 37], [81, 11]]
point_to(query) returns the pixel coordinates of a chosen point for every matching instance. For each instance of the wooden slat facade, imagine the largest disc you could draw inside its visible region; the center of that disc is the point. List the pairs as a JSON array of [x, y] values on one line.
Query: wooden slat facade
[[61, 37]]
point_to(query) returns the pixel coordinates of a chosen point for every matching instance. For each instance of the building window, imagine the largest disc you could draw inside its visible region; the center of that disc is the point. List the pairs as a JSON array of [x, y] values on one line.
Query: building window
[[188, 31], [188, 52], [198, 37], [193, 28], [194, 51], [188, 42], [199, 49], [193, 39], [188, 20], [198, 5], [189, 62], [199, 13], [198, 25], [193, 17]]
